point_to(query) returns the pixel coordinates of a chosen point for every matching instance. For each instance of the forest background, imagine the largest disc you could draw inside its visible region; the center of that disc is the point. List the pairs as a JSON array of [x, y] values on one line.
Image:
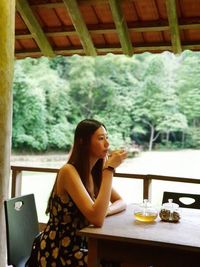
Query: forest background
[[147, 100]]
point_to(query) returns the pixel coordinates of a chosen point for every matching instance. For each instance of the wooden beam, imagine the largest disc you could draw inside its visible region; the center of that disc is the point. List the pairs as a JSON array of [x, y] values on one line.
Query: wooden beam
[[7, 33], [47, 5], [121, 26], [191, 47], [195, 26], [34, 27], [173, 24], [105, 50], [80, 26], [60, 4], [153, 48], [101, 50], [32, 53], [138, 49], [23, 54], [106, 28]]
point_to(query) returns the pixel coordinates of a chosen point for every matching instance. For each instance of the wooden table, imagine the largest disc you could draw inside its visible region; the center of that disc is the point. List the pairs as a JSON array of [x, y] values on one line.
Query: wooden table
[[157, 244]]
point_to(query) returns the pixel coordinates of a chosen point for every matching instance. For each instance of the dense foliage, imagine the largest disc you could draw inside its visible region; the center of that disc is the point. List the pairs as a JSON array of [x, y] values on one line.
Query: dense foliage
[[148, 99]]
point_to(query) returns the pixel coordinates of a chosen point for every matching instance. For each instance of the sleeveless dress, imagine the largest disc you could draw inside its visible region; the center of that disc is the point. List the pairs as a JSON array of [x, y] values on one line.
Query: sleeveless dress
[[59, 244]]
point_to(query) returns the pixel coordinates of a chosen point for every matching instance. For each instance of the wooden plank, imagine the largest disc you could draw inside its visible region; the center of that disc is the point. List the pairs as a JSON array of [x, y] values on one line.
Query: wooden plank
[[93, 257], [95, 29], [80, 26], [105, 50], [60, 4], [34, 27], [33, 169], [16, 183], [123, 227], [191, 47], [58, 31], [173, 24], [121, 26], [100, 50], [7, 31]]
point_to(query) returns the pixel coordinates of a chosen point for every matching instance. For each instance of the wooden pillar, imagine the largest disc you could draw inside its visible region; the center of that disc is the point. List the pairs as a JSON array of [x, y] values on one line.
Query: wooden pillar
[[7, 19]]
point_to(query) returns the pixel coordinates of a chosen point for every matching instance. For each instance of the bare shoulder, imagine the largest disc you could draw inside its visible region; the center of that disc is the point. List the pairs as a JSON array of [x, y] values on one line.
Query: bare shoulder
[[68, 170], [68, 177]]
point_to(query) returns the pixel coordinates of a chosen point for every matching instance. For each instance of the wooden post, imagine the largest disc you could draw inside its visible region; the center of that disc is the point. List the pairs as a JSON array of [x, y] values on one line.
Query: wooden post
[[147, 187], [7, 19], [16, 183]]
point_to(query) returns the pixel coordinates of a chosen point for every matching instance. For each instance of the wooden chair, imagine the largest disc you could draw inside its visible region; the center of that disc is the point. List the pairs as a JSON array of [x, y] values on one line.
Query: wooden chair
[[184, 200], [21, 228]]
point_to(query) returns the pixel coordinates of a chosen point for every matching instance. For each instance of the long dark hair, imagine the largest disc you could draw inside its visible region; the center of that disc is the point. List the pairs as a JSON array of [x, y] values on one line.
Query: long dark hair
[[80, 153]]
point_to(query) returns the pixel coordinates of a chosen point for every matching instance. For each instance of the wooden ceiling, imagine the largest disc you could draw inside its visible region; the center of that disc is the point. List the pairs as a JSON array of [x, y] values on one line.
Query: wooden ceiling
[[97, 27]]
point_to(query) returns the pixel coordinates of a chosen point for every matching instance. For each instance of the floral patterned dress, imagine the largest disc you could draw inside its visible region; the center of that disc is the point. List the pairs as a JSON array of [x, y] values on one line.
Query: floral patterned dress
[[59, 244]]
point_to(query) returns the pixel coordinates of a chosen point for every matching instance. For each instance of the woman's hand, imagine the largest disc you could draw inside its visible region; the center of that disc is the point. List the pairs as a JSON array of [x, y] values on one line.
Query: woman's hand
[[116, 207], [116, 158]]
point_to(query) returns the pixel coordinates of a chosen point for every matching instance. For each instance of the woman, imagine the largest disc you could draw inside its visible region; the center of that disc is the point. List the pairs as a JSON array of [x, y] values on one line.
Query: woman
[[80, 196]]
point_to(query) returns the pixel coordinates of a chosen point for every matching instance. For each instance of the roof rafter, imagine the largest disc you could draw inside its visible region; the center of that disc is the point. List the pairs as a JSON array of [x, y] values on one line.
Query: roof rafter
[[121, 27], [80, 26], [137, 49], [148, 26], [173, 24], [34, 27], [101, 29]]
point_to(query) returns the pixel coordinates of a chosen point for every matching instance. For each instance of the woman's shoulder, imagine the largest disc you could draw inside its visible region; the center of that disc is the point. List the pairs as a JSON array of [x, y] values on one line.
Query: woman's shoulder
[[66, 177], [67, 169]]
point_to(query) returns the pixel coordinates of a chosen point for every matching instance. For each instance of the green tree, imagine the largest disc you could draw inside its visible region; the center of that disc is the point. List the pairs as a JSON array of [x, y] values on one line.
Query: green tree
[[29, 114], [156, 110], [41, 106], [188, 88], [173, 119]]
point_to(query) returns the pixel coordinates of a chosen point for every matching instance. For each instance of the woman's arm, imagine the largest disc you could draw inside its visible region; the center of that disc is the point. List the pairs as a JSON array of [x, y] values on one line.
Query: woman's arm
[[117, 203], [95, 211]]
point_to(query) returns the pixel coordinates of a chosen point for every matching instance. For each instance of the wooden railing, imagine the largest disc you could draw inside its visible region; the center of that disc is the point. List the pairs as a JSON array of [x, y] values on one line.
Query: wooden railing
[[17, 172], [147, 179]]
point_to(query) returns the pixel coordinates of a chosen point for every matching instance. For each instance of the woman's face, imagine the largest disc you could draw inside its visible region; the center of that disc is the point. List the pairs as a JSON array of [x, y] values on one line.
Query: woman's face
[[99, 143]]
